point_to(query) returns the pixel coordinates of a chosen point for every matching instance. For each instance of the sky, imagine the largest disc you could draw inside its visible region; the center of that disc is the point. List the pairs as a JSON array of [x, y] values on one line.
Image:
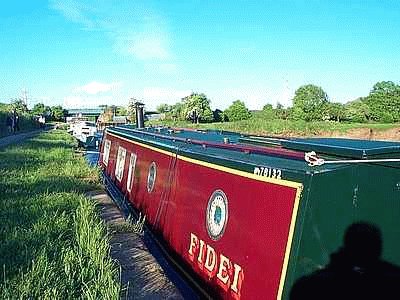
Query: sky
[[81, 54]]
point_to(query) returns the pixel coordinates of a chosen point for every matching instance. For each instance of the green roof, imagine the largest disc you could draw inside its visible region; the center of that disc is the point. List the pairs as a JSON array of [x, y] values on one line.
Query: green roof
[[344, 147]]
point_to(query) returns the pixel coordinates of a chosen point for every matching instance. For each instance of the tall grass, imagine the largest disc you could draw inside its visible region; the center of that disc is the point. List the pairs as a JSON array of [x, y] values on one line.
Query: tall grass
[[53, 245]]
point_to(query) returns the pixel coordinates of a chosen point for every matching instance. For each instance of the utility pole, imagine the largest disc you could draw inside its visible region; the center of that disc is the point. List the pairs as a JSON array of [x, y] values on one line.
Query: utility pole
[[25, 97]]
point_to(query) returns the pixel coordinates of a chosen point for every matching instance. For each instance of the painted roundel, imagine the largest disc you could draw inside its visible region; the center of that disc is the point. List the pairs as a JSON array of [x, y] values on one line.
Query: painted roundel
[[217, 215], [151, 177]]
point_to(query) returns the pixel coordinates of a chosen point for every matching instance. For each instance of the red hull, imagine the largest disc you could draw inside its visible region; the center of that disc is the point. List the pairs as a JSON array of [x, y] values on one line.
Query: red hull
[[249, 260]]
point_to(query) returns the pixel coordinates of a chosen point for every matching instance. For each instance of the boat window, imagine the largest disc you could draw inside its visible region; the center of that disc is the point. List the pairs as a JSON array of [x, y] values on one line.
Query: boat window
[[151, 178], [106, 151], [119, 168], [131, 172]]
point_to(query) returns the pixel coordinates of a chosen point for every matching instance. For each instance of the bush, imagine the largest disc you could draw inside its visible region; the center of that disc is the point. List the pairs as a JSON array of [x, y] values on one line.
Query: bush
[[237, 111]]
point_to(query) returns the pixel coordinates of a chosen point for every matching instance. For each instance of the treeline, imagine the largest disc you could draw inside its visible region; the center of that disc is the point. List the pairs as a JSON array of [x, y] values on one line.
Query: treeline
[[310, 103], [28, 118]]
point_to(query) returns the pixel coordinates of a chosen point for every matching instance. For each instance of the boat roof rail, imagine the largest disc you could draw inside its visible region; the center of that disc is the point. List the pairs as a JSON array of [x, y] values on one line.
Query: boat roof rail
[[254, 149]]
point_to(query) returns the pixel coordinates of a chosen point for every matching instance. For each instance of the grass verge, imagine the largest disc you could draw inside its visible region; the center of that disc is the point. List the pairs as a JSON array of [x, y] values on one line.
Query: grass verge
[[258, 125], [53, 244]]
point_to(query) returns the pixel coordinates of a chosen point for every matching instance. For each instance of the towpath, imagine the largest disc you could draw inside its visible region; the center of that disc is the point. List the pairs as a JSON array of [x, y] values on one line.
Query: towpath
[[19, 137], [145, 274]]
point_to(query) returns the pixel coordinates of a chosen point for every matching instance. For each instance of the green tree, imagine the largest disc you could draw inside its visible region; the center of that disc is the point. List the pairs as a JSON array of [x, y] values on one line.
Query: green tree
[[384, 102], [19, 106], [335, 111], [121, 111], [177, 112], [268, 112], [309, 103], [237, 111], [357, 111], [38, 109], [58, 113], [131, 111], [163, 108], [197, 108]]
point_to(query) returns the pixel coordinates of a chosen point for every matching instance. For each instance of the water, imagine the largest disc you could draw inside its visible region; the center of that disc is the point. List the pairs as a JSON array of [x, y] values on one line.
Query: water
[[92, 157]]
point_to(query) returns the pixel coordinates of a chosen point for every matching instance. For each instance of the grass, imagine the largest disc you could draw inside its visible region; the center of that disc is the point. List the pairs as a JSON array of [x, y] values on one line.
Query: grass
[[258, 125], [54, 246]]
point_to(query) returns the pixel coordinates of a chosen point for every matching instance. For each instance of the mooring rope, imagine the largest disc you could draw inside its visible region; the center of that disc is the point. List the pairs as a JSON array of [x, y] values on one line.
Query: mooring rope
[[314, 160]]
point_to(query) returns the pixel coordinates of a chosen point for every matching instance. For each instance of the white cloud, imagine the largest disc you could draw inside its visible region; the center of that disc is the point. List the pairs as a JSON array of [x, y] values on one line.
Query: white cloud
[[74, 11], [134, 29], [146, 46], [95, 87]]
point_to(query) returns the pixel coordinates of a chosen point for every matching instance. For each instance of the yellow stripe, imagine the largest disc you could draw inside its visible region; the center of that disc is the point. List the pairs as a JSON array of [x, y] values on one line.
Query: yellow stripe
[[143, 145], [289, 242], [283, 182], [298, 186]]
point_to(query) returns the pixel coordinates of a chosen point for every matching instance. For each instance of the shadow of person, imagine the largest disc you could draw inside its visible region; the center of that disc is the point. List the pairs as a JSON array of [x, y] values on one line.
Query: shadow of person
[[355, 271]]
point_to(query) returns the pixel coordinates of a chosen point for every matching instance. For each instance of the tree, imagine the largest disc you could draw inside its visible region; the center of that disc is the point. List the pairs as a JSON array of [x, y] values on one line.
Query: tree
[[19, 106], [121, 111], [268, 112], [197, 108], [164, 108], [335, 111], [237, 111], [309, 103], [384, 102], [131, 110], [218, 115], [38, 109], [357, 111], [177, 112], [58, 112]]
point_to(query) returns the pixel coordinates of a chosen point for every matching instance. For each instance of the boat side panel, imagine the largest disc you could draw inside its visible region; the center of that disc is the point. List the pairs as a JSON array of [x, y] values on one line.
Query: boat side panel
[[256, 234], [147, 202], [252, 254]]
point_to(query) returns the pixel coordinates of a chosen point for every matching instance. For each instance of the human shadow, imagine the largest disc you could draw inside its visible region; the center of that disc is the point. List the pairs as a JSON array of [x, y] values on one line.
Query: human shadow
[[355, 271]]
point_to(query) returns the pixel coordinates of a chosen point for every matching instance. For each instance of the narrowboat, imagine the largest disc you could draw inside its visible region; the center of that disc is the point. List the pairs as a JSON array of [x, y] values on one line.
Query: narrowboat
[[247, 216]]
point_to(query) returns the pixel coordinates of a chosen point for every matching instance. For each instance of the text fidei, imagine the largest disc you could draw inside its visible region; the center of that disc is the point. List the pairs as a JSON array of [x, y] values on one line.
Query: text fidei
[[229, 275]]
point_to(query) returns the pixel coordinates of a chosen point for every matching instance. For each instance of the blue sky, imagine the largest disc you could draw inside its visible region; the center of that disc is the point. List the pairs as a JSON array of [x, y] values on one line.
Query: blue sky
[[80, 53]]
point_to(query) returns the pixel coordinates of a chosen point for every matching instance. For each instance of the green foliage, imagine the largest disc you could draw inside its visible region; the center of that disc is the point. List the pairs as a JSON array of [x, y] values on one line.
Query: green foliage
[[269, 113], [19, 106], [219, 116], [357, 111], [177, 112], [335, 111], [38, 109], [384, 102], [26, 120], [237, 111], [164, 108], [197, 108], [131, 111], [53, 246], [58, 113], [121, 111], [309, 103]]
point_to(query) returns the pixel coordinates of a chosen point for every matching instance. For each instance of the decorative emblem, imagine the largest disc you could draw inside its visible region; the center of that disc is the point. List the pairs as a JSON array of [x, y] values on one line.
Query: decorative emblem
[[217, 215], [151, 178]]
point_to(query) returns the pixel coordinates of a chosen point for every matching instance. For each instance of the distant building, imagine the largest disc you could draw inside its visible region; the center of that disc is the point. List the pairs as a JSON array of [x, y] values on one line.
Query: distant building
[[89, 113]]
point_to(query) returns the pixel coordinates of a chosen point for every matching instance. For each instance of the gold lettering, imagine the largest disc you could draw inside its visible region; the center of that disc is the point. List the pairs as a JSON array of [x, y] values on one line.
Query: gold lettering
[[211, 259], [237, 278], [224, 266], [193, 243]]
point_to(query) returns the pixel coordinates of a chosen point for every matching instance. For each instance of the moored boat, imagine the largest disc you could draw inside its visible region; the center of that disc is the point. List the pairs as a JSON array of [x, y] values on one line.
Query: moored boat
[[250, 215]]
